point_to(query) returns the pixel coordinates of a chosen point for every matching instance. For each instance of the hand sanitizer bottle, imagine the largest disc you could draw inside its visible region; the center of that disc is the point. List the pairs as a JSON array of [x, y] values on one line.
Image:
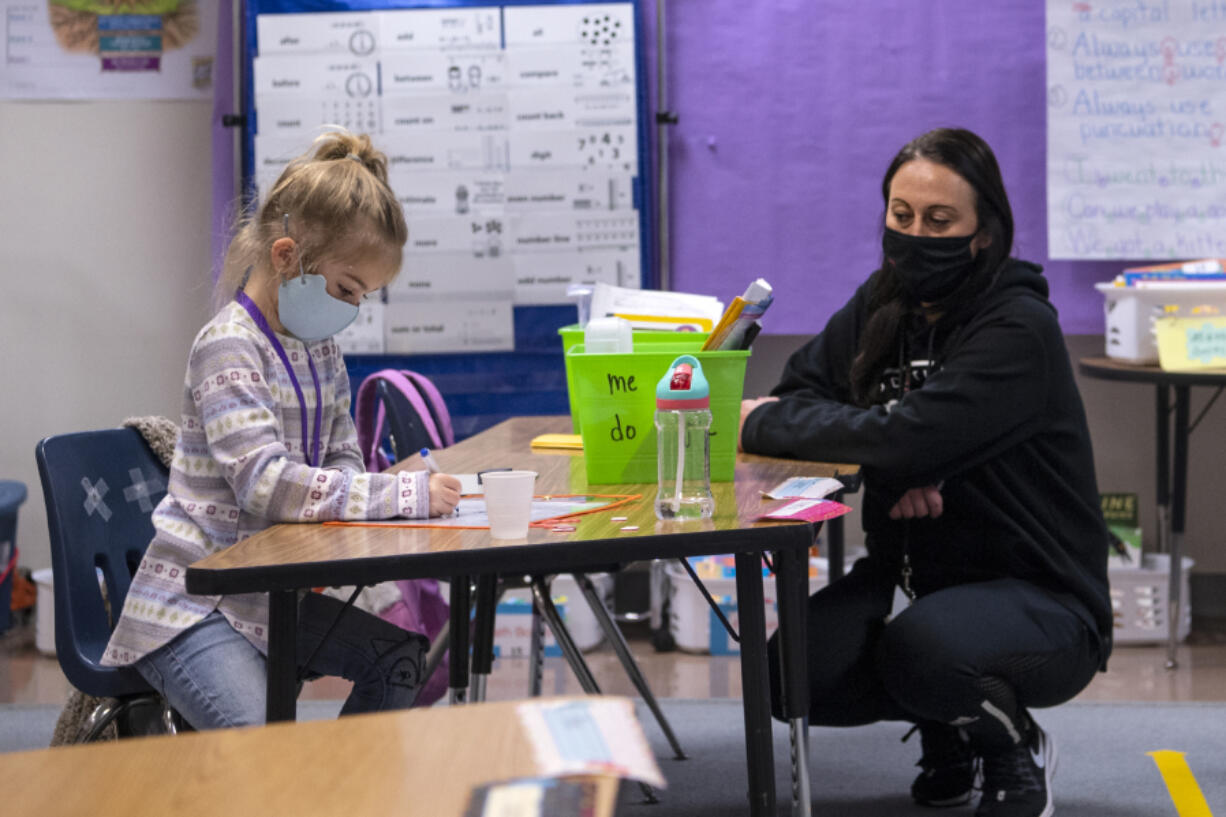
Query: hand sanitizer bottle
[[683, 435]]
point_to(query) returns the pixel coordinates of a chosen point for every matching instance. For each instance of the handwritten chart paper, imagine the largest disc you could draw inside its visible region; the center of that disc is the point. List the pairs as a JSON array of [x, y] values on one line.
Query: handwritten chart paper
[[1136, 129]]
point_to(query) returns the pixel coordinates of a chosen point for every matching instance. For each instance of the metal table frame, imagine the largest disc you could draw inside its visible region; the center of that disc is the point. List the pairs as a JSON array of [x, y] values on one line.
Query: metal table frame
[[1171, 474]]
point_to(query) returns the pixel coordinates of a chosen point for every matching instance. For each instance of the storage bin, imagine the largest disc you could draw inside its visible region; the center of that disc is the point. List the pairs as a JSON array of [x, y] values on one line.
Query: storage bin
[[694, 625], [44, 607], [1130, 313], [1191, 344], [1140, 600], [12, 494], [616, 398], [573, 335]]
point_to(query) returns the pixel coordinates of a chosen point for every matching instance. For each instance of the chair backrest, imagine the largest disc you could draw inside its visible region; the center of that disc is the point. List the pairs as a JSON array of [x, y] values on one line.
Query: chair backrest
[[407, 405], [100, 489]]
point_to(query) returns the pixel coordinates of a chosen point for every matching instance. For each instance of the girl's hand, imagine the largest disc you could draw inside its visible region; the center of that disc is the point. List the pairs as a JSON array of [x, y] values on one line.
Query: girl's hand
[[748, 406], [444, 494], [918, 503]]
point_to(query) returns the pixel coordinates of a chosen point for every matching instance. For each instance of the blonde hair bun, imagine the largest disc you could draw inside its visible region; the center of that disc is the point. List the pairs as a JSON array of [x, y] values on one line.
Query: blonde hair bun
[[335, 195], [341, 144]]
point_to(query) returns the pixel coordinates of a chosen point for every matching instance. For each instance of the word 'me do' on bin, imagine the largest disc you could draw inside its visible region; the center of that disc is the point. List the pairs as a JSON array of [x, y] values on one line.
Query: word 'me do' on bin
[[615, 395], [573, 335]]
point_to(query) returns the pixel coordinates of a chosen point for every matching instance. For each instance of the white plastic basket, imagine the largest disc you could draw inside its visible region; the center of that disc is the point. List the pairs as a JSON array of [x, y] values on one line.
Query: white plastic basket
[[1140, 599], [694, 625], [1130, 313]]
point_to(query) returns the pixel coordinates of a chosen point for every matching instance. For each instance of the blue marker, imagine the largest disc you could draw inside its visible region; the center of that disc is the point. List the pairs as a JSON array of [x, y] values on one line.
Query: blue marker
[[433, 468], [429, 461]]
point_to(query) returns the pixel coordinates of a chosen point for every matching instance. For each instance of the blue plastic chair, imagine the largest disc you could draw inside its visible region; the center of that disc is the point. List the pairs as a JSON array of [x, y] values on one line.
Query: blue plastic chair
[[100, 489]]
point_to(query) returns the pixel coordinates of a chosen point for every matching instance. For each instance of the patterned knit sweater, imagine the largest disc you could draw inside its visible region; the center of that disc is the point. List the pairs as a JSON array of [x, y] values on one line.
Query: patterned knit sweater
[[239, 467]]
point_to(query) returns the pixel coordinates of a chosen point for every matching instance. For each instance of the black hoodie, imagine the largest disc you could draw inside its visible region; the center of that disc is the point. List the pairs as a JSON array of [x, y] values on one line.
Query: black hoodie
[[998, 423]]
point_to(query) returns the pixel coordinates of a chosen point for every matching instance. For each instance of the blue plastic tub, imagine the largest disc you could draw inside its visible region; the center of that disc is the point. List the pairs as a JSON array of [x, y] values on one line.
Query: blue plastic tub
[[12, 494]]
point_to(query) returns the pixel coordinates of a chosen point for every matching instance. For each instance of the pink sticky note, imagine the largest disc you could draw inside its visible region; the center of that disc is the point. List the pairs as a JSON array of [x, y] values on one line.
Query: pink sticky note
[[808, 510]]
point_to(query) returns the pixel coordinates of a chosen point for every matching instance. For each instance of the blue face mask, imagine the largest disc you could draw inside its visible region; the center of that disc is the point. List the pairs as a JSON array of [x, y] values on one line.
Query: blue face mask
[[308, 312]]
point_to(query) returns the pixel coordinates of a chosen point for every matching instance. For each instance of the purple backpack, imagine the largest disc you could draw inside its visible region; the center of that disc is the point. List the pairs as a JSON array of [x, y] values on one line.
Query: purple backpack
[[418, 417], [410, 406]]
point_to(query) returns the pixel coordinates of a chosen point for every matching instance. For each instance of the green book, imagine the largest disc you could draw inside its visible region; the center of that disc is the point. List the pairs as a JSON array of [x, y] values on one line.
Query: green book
[[1123, 524]]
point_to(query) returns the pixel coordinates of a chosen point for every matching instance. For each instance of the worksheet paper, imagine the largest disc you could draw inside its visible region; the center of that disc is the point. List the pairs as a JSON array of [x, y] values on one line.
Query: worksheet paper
[[470, 513], [804, 488], [651, 309], [591, 736]]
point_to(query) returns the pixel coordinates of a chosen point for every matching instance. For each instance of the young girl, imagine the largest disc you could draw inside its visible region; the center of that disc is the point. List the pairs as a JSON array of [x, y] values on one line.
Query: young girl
[[266, 437], [947, 378]]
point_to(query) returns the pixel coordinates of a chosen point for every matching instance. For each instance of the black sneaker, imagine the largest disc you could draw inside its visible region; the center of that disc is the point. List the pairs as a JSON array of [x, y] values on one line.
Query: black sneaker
[[1017, 783], [948, 776]]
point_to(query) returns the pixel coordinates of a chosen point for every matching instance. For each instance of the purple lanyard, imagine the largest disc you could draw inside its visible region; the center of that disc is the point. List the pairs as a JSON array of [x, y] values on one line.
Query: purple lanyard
[[312, 453]]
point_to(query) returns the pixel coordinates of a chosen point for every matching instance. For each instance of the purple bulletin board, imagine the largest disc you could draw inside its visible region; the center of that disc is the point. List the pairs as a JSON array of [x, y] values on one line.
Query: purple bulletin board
[[790, 111]]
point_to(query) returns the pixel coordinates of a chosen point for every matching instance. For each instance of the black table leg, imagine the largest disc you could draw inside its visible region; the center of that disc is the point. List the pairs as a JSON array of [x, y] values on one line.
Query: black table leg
[[755, 684], [282, 684], [1179, 498], [1162, 488], [460, 609], [792, 591], [483, 634], [835, 551]]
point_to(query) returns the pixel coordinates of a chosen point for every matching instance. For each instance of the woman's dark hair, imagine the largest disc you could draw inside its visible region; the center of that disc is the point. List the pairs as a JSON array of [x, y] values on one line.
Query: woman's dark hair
[[969, 156]]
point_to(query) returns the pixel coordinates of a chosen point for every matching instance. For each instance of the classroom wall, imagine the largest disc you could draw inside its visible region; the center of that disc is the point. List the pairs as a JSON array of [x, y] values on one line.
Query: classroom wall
[[105, 242], [104, 255], [791, 110]]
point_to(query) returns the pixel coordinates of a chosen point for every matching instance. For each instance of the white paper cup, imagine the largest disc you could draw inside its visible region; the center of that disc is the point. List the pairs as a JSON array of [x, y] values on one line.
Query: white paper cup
[[508, 502]]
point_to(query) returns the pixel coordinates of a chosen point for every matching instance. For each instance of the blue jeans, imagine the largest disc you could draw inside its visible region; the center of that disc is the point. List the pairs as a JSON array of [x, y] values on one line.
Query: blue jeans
[[215, 678]]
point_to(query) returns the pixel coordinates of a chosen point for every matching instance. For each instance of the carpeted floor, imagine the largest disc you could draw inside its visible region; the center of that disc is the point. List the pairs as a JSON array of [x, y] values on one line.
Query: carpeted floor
[[1103, 770]]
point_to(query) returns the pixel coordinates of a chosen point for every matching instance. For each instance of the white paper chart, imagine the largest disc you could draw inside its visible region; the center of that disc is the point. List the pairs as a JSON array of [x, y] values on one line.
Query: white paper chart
[[1136, 129], [512, 136]]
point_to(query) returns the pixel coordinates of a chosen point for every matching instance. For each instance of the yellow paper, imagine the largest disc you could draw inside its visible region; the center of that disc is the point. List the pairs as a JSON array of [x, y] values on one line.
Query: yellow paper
[[1191, 343], [571, 442]]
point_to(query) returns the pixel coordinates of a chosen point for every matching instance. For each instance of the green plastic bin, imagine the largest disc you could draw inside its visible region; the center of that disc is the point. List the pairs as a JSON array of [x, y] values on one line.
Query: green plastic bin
[[615, 395], [572, 335]]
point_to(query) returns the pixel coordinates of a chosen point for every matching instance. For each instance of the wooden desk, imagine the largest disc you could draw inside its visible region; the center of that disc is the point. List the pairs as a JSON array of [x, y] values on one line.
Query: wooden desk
[[285, 558], [419, 761], [1172, 470]]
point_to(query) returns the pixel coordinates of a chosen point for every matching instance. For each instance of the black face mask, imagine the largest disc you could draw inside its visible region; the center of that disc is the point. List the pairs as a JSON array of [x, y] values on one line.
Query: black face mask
[[930, 268]]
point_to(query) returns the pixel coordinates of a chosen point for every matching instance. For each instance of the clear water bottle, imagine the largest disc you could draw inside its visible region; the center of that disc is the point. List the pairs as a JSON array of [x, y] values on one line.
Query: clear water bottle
[[683, 439]]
